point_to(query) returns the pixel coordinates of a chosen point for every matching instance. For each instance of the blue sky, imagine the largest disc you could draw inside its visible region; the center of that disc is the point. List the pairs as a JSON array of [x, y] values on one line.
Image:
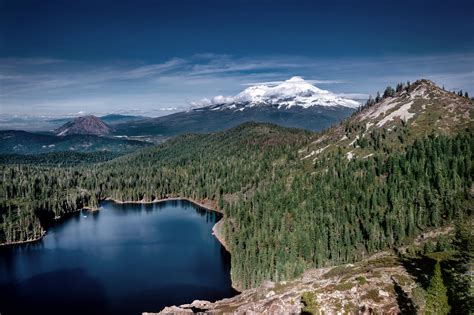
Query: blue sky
[[155, 57]]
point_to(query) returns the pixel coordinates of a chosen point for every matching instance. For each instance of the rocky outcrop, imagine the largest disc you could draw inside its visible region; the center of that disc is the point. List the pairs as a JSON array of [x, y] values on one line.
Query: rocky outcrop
[[374, 285]]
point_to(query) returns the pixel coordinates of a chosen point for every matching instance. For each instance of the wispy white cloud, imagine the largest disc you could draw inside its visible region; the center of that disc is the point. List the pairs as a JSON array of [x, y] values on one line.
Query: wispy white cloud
[[45, 85], [150, 70], [38, 61]]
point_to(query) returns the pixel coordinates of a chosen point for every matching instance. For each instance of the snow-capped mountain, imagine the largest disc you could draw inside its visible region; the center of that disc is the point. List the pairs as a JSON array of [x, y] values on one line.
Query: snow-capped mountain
[[290, 93], [291, 103]]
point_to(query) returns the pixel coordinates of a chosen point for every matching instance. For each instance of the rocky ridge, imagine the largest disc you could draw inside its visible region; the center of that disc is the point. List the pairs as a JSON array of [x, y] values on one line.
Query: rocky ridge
[[419, 110], [376, 284]]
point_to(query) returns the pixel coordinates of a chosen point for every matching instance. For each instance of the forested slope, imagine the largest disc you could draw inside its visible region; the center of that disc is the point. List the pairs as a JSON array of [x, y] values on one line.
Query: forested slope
[[292, 199]]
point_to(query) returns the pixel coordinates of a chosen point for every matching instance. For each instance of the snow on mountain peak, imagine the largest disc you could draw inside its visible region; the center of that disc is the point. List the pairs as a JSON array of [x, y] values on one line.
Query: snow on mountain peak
[[292, 92], [295, 79]]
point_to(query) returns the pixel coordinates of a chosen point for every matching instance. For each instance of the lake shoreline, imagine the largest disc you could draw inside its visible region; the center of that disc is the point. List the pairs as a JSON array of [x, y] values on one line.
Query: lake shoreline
[[205, 203], [217, 232], [43, 233]]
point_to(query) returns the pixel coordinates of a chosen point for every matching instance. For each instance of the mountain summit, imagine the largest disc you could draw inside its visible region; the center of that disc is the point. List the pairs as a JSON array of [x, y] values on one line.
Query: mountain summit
[[290, 93], [397, 119], [85, 125]]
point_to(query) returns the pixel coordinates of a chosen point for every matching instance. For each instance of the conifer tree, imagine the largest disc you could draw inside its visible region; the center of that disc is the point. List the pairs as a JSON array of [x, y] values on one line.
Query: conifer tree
[[437, 299], [389, 91], [399, 87], [377, 98]]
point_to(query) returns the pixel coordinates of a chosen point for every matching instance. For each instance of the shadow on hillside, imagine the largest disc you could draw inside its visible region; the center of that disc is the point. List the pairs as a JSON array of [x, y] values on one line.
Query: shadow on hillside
[[405, 304], [421, 269]]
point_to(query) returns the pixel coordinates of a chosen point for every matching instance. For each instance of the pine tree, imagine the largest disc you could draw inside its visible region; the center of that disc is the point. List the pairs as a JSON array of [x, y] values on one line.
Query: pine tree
[[399, 87], [370, 101], [377, 98], [437, 299], [389, 91]]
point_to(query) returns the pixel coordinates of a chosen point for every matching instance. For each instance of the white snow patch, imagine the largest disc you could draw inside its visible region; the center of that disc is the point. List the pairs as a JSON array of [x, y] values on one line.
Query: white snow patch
[[420, 91], [386, 105], [62, 133], [402, 113], [350, 155], [309, 155], [353, 141], [316, 152], [368, 155], [319, 140], [322, 149], [344, 138]]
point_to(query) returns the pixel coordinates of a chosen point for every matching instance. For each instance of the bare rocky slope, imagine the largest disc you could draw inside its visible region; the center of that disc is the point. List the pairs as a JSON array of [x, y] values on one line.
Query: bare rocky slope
[[374, 284], [421, 110], [384, 283]]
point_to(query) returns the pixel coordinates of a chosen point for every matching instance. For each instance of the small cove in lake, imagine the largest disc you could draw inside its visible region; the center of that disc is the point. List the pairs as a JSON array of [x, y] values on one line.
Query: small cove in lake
[[123, 259]]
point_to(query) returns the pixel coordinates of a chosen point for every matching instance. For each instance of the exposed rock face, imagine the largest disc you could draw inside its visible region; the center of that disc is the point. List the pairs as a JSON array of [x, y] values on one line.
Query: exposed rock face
[[374, 285], [86, 125]]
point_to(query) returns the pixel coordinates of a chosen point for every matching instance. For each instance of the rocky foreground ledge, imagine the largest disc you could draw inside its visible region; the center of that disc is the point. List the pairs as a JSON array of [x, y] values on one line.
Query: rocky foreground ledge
[[380, 284]]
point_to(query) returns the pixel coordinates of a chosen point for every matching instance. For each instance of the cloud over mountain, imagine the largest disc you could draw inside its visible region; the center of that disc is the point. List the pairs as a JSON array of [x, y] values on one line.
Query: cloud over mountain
[[283, 94]]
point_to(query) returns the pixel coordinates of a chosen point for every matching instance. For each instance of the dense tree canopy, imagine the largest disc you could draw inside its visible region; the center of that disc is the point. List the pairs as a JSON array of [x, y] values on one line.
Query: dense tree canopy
[[283, 214]]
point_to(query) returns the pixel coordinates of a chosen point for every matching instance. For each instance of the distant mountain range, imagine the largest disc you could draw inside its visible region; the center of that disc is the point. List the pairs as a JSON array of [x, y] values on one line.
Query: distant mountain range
[[23, 142], [292, 103], [110, 119], [45, 123], [81, 134]]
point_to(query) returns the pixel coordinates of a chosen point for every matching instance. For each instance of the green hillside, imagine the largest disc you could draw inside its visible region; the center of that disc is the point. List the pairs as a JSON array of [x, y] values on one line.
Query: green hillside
[[292, 199]]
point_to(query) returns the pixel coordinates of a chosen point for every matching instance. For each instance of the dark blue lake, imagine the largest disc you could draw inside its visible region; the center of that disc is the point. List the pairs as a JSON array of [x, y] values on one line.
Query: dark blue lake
[[123, 259]]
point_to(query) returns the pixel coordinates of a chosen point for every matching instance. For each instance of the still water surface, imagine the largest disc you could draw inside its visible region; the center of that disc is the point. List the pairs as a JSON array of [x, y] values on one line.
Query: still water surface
[[123, 259]]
